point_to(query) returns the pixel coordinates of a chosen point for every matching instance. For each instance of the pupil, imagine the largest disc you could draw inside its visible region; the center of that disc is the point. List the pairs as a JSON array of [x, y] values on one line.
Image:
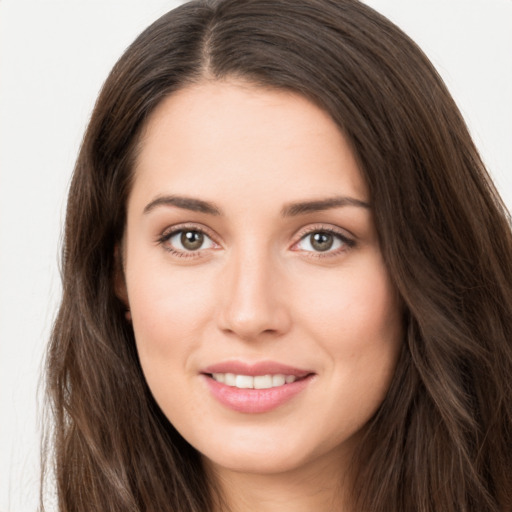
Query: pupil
[[192, 240], [322, 241]]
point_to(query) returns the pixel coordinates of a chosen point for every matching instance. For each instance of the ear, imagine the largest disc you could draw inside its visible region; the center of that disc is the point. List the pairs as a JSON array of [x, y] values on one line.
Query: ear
[[119, 280]]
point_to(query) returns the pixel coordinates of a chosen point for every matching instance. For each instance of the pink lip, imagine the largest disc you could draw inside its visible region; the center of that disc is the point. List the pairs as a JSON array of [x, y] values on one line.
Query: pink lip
[[254, 401]]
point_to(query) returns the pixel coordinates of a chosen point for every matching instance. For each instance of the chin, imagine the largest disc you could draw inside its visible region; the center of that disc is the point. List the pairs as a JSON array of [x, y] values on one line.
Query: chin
[[256, 462], [274, 451]]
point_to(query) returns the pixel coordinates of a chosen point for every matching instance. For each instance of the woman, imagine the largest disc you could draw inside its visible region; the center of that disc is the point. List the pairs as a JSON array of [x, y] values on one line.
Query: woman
[[287, 277]]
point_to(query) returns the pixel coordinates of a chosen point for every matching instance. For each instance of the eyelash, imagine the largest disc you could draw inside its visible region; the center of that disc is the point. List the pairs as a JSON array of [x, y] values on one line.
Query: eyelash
[[169, 233], [347, 242]]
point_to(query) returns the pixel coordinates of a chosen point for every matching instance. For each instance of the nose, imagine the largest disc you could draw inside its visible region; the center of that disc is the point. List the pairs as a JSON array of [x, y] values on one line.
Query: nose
[[253, 302]]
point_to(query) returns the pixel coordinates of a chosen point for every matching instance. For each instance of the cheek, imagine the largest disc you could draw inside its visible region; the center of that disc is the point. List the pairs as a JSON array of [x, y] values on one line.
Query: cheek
[[170, 311], [356, 320], [169, 308], [353, 310]]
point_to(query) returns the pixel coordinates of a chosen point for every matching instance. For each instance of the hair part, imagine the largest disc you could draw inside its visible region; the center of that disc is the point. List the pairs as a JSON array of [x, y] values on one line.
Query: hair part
[[441, 439]]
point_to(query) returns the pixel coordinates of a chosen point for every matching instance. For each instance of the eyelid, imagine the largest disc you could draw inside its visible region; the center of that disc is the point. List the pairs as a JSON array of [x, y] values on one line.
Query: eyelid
[[330, 228], [191, 226], [171, 231], [347, 238]]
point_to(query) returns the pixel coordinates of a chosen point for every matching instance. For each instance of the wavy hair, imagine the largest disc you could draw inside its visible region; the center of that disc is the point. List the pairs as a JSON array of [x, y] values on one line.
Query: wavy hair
[[442, 439]]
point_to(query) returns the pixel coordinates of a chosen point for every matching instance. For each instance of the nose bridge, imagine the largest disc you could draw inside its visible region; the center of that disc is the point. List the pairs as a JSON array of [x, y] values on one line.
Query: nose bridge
[[252, 302]]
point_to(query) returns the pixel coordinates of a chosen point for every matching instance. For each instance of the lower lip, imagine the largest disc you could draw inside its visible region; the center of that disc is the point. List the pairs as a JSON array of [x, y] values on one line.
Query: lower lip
[[253, 401]]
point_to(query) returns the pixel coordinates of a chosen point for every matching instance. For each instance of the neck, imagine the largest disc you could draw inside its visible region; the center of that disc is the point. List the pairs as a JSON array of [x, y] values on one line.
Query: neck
[[316, 487]]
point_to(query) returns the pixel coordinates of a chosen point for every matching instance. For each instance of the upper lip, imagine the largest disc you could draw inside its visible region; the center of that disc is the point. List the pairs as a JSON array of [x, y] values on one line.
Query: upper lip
[[254, 369]]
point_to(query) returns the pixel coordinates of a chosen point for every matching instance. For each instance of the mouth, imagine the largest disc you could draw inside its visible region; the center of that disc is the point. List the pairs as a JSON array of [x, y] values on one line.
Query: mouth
[[255, 388]]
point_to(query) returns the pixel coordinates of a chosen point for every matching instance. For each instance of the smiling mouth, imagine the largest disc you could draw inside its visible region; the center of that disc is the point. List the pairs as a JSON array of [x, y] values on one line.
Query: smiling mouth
[[256, 388], [255, 382]]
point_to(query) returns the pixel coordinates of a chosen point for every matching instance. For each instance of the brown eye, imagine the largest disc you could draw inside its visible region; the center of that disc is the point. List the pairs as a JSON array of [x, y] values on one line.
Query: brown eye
[[321, 241], [191, 240], [187, 240]]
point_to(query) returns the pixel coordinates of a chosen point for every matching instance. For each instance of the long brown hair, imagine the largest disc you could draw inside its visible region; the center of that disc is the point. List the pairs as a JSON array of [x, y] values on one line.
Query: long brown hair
[[442, 439]]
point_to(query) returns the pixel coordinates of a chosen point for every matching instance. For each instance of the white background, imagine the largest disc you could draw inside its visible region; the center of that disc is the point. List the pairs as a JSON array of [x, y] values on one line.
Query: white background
[[54, 56]]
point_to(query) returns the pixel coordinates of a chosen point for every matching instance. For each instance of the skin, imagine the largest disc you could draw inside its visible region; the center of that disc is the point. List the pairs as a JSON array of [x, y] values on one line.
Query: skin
[[258, 290]]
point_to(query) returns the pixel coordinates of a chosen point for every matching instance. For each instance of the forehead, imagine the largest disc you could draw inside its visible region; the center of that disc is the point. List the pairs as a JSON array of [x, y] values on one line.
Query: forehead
[[234, 137]]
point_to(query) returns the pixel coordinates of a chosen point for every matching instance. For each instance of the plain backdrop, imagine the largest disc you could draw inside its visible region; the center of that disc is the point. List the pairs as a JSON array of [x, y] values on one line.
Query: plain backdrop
[[54, 56]]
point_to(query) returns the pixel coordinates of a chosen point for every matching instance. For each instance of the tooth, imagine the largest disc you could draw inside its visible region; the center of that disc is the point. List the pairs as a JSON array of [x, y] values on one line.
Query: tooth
[[263, 382], [244, 381], [278, 380], [257, 382], [230, 379]]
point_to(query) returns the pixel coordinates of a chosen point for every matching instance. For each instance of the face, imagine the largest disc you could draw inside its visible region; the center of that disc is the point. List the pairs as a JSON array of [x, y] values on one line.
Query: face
[[265, 321]]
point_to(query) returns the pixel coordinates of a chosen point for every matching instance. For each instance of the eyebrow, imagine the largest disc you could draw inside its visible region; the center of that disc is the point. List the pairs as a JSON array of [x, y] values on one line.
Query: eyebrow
[[289, 210], [304, 207], [187, 203]]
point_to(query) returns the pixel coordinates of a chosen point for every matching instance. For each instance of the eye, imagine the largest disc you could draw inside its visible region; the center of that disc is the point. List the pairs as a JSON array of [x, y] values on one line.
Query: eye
[[323, 241], [187, 240]]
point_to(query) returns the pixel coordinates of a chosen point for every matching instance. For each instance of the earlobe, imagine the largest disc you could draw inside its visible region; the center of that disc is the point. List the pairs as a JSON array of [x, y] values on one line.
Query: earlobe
[[120, 282]]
